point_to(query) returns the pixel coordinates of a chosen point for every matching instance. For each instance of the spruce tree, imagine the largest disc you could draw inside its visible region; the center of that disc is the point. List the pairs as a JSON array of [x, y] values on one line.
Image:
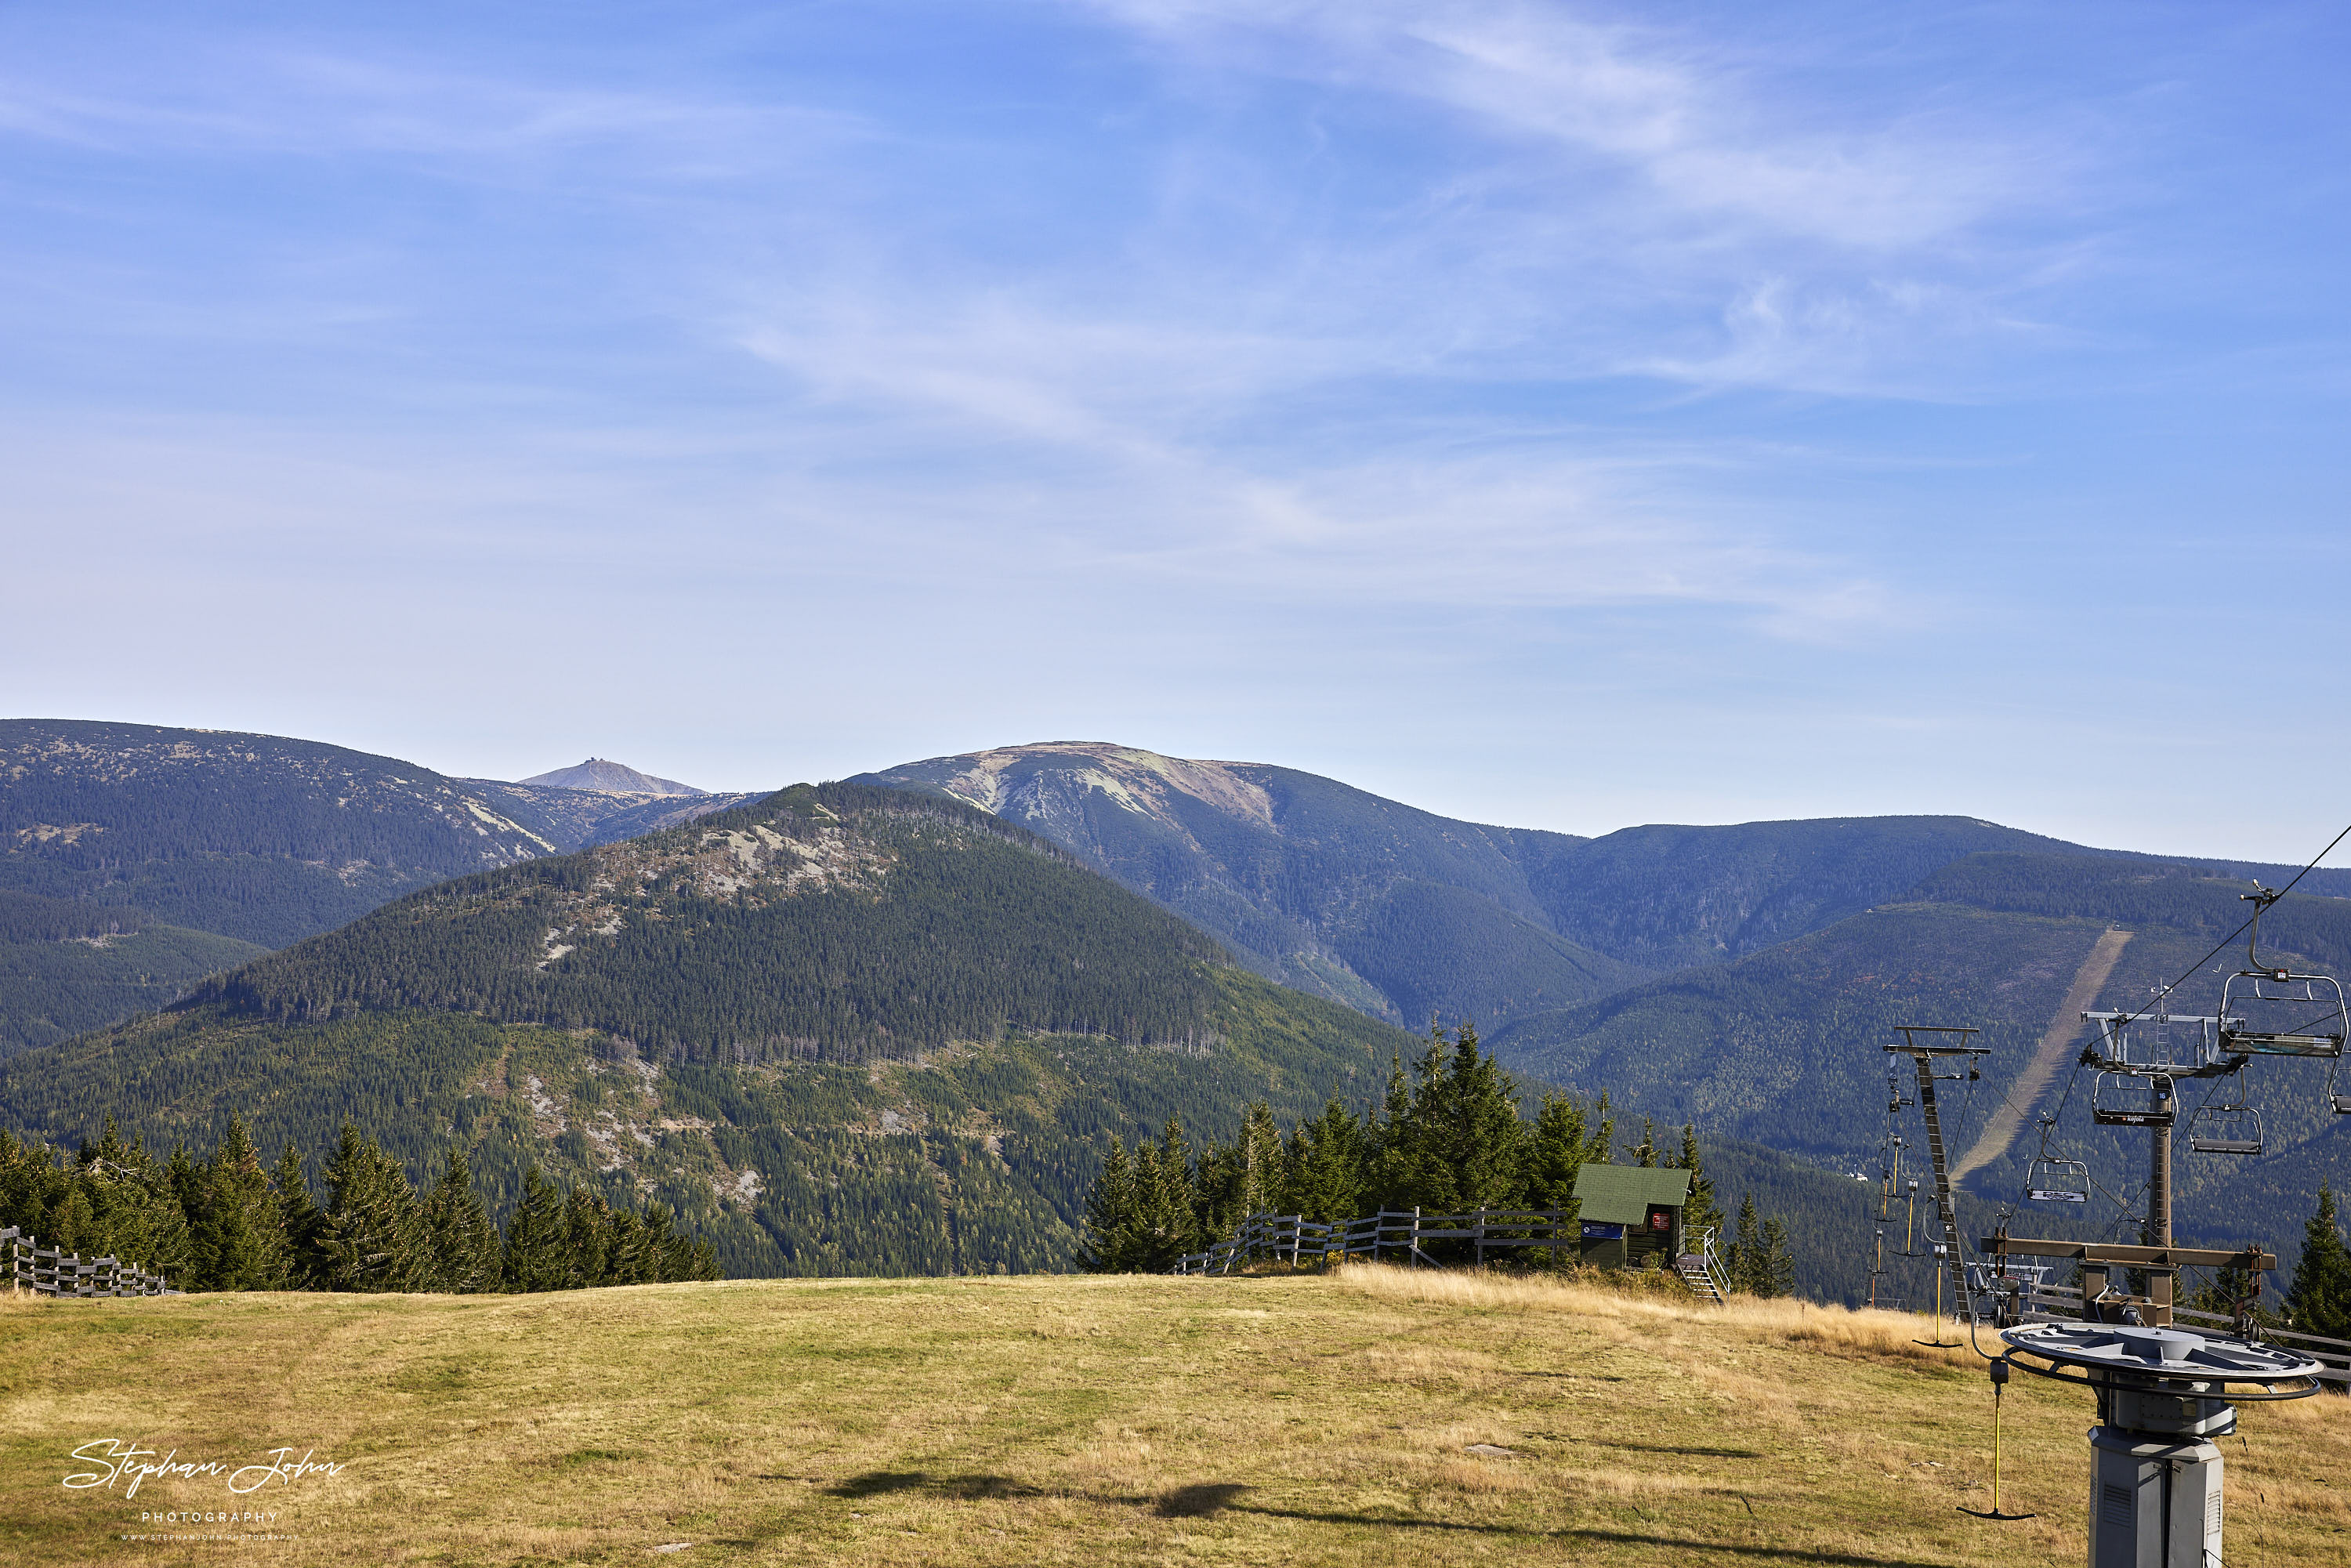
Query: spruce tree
[[534, 1240], [1474, 1137], [1567, 1136], [2319, 1299], [464, 1243], [1775, 1273], [373, 1237], [1323, 1168], [1167, 1202], [1449, 1140], [1390, 1155], [1701, 1212], [120, 1202], [240, 1238], [682, 1257], [1104, 1244], [659, 1243], [1261, 1159], [587, 1240], [298, 1218], [184, 1185], [628, 1260], [1745, 1261]]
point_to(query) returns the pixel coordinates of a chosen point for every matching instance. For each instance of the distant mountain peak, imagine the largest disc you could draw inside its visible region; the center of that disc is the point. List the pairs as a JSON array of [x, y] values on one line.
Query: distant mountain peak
[[609, 777], [1137, 780]]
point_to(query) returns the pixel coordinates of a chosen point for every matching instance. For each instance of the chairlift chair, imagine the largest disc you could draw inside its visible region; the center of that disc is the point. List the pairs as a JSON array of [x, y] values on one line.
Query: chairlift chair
[[2278, 1012], [2270, 1009], [2049, 1180], [2231, 1127], [2132, 1100]]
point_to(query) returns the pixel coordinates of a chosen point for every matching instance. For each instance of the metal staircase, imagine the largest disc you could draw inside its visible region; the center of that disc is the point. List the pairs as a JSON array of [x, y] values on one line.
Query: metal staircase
[[1702, 1270]]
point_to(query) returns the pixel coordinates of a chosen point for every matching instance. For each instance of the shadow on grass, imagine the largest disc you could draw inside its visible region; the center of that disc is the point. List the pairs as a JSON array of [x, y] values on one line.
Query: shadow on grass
[[964, 1488], [1200, 1501], [1610, 1537], [1695, 1453], [1206, 1500]]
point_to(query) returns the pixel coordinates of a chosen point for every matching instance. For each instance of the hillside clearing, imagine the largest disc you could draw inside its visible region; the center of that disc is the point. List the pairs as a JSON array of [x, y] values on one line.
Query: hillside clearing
[[1049, 1419]]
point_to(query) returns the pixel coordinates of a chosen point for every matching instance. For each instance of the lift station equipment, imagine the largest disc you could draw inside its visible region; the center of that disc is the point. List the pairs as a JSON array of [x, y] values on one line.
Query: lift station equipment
[[2163, 1396], [2164, 1393], [1945, 1054]]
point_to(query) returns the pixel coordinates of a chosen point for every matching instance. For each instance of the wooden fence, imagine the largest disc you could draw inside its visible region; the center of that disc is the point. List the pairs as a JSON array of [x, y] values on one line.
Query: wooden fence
[[1296, 1240], [50, 1272]]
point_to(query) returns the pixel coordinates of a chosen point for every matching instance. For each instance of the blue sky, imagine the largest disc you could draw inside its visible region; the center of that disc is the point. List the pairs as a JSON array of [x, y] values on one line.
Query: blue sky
[[1562, 415]]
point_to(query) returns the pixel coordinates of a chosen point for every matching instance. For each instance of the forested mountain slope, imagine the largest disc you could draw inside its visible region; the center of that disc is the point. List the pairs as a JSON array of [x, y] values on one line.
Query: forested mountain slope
[[67, 965], [1325, 887], [842, 1029], [263, 837], [1785, 1047], [1668, 897], [251, 836], [201, 846], [1401, 912]]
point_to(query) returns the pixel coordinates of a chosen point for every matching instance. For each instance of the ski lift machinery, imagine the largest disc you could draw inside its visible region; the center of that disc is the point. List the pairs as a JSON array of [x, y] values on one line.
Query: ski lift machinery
[[2164, 1393], [2163, 1396], [1947, 1054]]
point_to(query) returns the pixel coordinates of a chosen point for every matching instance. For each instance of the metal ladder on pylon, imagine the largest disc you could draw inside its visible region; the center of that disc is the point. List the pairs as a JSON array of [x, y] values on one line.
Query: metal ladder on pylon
[[1963, 1059]]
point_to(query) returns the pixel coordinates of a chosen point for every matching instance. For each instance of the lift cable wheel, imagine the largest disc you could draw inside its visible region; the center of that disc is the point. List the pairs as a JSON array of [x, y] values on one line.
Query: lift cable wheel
[[2119, 1361]]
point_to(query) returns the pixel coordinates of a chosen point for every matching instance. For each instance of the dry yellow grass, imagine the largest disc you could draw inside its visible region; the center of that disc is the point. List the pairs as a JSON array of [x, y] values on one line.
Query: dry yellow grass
[[1304, 1420]]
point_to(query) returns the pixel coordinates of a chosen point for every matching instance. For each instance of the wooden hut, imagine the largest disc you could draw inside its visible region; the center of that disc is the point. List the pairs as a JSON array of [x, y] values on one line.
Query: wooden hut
[[1630, 1213]]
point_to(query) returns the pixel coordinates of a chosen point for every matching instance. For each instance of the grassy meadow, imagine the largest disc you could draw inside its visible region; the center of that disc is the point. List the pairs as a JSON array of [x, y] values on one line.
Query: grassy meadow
[[1349, 1419]]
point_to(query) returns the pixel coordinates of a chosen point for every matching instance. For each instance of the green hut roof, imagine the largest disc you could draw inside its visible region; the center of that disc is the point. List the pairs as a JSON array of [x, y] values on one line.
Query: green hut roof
[[1623, 1194]]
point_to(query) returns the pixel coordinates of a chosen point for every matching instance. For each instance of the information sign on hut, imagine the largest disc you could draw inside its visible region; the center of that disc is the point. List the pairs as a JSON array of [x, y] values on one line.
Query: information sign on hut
[[1630, 1213]]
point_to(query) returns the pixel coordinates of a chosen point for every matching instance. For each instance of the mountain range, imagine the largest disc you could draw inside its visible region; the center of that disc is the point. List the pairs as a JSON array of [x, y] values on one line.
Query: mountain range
[[775, 988], [841, 1029]]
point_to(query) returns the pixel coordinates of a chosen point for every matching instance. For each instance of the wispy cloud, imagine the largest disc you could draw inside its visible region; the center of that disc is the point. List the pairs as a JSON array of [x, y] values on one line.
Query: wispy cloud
[[1687, 119], [308, 103], [1791, 240]]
